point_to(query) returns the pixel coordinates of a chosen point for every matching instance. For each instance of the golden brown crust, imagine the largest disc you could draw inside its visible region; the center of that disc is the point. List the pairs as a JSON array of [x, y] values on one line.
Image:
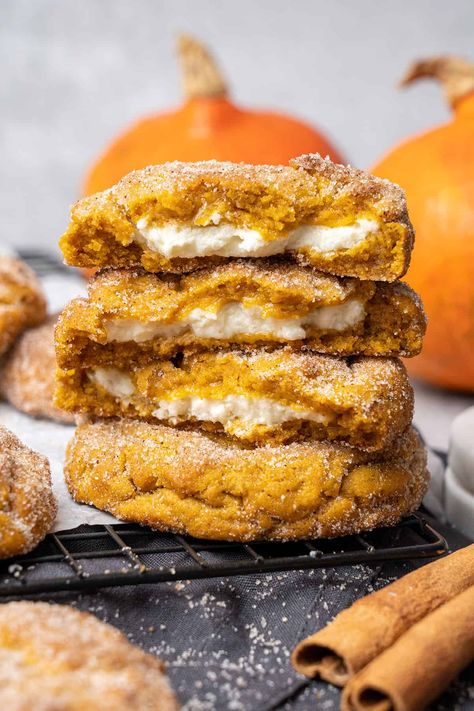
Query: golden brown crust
[[273, 199], [28, 375], [209, 487], [365, 402], [393, 324], [27, 504], [22, 303], [56, 658]]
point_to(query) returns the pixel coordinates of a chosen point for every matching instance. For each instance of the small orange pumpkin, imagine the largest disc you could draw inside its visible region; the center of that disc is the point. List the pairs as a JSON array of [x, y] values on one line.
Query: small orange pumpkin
[[436, 169], [208, 125]]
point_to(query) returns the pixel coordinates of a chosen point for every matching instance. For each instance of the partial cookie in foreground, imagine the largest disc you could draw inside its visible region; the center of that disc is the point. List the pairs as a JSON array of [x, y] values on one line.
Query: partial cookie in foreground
[[209, 487], [28, 376], [27, 504], [22, 303], [55, 658], [131, 315], [178, 217], [253, 395]]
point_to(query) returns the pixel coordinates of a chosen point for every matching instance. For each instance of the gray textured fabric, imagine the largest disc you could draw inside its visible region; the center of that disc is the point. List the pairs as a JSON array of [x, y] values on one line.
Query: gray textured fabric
[[227, 641]]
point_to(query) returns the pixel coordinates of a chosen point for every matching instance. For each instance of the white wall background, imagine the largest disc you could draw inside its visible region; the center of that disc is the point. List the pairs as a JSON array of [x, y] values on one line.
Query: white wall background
[[74, 72]]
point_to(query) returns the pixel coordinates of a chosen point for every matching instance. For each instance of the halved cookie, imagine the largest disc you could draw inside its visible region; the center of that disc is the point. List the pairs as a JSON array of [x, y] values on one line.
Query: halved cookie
[[133, 315], [210, 487], [254, 396], [178, 217]]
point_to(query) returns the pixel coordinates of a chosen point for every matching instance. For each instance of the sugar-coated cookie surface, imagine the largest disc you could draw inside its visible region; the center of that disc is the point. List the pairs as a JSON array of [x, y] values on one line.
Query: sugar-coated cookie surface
[[210, 487], [56, 658], [27, 504], [28, 375], [22, 303], [132, 315], [177, 217], [254, 396]]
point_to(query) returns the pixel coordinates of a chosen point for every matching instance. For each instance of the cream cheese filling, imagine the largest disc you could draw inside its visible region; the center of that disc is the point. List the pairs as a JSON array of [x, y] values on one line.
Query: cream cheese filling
[[225, 240], [251, 411], [235, 319]]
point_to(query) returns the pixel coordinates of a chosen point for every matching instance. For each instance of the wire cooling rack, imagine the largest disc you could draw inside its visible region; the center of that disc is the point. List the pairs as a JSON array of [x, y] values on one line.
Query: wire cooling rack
[[122, 554]]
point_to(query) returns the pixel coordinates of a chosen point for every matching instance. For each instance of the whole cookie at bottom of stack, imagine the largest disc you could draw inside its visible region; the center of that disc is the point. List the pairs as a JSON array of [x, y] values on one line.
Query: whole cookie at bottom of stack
[[210, 487], [55, 658]]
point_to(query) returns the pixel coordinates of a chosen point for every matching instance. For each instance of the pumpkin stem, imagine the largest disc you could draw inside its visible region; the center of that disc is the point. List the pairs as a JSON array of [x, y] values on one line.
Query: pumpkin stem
[[455, 74], [201, 77]]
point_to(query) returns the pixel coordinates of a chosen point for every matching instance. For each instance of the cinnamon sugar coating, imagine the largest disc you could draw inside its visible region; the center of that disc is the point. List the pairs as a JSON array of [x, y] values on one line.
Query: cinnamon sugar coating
[[365, 402], [27, 503], [393, 322], [274, 200], [55, 658], [22, 303], [210, 487], [28, 375]]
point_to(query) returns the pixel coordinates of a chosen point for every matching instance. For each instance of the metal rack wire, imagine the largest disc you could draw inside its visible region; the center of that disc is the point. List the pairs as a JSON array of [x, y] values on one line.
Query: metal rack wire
[[122, 554]]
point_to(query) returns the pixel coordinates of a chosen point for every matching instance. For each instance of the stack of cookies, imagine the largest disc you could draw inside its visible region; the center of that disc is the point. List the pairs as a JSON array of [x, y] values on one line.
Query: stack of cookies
[[237, 355]]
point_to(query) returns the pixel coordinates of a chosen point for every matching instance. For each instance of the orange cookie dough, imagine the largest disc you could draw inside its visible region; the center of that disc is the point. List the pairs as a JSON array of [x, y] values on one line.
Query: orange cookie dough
[[27, 504], [27, 378], [177, 217], [131, 315], [55, 658], [209, 487], [255, 396], [22, 303]]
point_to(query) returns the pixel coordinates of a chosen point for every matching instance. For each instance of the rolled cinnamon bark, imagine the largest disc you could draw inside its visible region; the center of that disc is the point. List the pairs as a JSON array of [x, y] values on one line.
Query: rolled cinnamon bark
[[420, 664], [373, 623]]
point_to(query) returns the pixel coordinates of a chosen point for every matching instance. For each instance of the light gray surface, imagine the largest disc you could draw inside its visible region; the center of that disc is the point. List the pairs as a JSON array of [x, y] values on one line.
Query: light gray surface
[[74, 73]]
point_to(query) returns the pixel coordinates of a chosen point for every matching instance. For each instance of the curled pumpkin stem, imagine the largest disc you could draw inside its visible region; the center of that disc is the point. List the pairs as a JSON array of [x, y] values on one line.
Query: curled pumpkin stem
[[455, 74], [201, 77]]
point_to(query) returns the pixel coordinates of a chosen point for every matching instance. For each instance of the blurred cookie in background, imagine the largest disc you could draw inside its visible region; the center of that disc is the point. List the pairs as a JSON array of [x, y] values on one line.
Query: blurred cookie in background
[[55, 657], [27, 378], [22, 302]]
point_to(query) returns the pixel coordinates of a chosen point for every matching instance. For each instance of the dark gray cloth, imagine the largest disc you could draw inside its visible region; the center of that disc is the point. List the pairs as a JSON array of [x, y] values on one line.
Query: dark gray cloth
[[227, 642]]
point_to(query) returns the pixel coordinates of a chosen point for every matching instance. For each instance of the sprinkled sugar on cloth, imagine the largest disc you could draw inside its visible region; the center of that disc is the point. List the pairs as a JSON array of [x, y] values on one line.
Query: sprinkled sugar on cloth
[[226, 641]]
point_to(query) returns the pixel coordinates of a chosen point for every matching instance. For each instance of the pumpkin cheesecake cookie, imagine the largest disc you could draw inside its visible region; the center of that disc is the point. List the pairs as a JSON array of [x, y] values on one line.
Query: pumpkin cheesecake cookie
[[22, 303], [210, 487], [55, 658], [27, 503], [255, 396], [177, 217], [133, 315], [28, 375]]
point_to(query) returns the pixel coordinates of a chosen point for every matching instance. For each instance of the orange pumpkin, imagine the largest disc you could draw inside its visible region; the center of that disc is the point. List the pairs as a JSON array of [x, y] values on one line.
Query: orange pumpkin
[[208, 125], [436, 169]]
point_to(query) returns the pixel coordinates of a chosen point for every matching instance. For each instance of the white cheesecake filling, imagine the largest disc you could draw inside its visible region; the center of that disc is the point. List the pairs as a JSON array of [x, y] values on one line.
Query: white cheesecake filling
[[113, 381], [235, 319], [251, 411], [225, 240]]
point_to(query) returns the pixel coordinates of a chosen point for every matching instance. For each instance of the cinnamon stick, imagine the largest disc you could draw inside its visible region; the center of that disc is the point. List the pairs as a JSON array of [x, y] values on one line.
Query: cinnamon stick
[[420, 664], [373, 623]]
